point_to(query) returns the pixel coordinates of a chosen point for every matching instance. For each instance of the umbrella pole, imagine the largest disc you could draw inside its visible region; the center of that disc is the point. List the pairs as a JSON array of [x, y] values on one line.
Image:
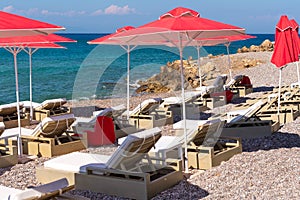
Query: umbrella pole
[[199, 67], [298, 73], [183, 105], [128, 77], [15, 52], [30, 82], [229, 61], [280, 70]]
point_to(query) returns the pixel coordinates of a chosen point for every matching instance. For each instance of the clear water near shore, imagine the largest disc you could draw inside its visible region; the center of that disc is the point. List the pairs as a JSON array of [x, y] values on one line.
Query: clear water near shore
[[55, 71]]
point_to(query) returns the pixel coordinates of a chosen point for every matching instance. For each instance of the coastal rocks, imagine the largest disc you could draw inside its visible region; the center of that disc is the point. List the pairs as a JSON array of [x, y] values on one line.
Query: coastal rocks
[[152, 87], [169, 78], [266, 45]]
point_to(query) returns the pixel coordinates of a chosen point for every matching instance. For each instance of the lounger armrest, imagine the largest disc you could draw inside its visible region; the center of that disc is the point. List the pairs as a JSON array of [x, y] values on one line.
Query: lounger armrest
[[47, 112], [248, 123], [148, 117], [103, 171]]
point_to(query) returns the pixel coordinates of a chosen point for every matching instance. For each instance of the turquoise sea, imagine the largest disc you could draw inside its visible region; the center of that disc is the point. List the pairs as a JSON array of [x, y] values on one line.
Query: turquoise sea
[[83, 71]]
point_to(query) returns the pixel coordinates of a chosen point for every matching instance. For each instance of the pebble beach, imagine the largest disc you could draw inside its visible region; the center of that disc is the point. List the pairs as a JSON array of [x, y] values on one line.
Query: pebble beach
[[268, 167]]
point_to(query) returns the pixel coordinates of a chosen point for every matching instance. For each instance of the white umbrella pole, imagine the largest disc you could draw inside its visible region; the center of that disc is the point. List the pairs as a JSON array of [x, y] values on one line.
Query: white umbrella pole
[[229, 61], [30, 82], [183, 105], [128, 78], [199, 67], [298, 73], [15, 52], [280, 70]]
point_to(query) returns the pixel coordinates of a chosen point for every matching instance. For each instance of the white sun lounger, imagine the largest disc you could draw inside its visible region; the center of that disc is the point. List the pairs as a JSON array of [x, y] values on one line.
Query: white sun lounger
[[50, 137], [148, 115], [46, 191], [92, 170]]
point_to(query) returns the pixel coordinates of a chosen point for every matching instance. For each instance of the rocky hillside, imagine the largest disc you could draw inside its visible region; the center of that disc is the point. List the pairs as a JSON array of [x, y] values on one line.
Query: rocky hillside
[[211, 66]]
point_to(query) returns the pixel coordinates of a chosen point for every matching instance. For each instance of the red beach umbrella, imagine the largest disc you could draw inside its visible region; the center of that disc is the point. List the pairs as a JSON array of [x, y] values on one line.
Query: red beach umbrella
[[180, 27], [109, 39], [30, 44], [15, 25], [25, 40], [296, 43], [284, 52], [226, 40]]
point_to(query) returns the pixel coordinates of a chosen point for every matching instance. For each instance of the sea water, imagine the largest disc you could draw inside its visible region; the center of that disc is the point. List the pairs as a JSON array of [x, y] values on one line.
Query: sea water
[[84, 71]]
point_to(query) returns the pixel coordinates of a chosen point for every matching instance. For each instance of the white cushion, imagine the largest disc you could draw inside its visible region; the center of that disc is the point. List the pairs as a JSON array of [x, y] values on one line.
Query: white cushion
[[75, 161], [7, 191], [11, 105]]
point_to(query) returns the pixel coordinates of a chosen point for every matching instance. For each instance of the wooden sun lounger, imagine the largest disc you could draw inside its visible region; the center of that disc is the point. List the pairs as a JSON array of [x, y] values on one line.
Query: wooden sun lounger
[[9, 115], [203, 139], [235, 86], [287, 112], [193, 105], [51, 137], [51, 190], [248, 124], [51, 107], [8, 152], [122, 127], [147, 115], [129, 169]]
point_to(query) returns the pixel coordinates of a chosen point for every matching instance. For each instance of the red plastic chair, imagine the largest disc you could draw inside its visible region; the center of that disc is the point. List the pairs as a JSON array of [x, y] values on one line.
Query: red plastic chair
[[104, 132]]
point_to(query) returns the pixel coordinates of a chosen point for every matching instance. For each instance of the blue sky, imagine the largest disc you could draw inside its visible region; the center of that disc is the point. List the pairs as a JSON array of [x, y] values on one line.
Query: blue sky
[[100, 16]]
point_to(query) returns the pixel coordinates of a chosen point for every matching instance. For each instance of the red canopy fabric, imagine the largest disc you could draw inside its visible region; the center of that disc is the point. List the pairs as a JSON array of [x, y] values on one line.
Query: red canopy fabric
[[283, 51], [25, 40], [15, 25], [45, 46], [179, 12], [295, 38], [108, 39], [177, 23]]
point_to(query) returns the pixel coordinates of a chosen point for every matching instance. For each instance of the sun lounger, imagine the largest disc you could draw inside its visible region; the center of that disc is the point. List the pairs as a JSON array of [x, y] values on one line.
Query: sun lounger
[[288, 111], [121, 129], [129, 169], [50, 107], [148, 115], [247, 124], [51, 137], [238, 85], [213, 95], [201, 134], [193, 105], [8, 152], [46, 191], [9, 115], [2, 127]]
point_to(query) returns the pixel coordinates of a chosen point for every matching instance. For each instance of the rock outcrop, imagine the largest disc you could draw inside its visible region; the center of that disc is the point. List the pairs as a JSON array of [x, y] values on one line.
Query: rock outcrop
[[266, 45]]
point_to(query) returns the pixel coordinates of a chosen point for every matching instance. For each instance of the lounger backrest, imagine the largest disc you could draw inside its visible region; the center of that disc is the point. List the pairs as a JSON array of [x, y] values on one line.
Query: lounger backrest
[[196, 132], [146, 106], [51, 104], [53, 126], [191, 96], [110, 112], [207, 130], [249, 112], [9, 109], [219, 81], [2, 128], [133, 149]]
